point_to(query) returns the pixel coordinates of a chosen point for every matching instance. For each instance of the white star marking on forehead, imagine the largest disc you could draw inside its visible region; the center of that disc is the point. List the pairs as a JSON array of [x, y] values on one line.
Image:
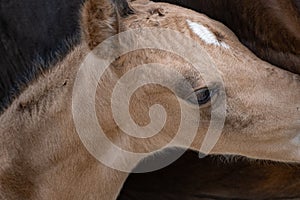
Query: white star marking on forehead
[[205, 34]]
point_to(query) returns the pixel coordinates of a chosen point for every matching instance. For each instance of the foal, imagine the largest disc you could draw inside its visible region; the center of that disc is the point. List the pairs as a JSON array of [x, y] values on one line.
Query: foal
[[43, 155]]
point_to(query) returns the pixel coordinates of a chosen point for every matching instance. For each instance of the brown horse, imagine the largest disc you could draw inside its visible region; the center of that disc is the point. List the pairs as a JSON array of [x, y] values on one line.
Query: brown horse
[[42, 156], [215, 177]]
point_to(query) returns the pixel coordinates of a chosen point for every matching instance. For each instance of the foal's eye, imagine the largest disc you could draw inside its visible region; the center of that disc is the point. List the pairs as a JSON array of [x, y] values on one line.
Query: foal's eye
[[202, 96]]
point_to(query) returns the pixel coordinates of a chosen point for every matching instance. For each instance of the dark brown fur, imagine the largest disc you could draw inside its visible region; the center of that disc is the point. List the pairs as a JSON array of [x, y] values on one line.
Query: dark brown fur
[[215, 177]]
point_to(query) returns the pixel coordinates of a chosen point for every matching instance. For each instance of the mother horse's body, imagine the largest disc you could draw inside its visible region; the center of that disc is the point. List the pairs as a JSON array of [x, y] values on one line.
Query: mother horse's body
[[48, 160]]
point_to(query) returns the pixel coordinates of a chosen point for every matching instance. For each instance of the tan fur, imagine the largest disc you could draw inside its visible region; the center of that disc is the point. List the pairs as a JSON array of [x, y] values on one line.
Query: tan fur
[[101, 21], [42, 156]]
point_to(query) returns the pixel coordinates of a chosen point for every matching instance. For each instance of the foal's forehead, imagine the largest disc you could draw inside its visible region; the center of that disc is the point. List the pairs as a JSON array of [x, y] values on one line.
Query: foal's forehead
[[211, 35], [188, 22]]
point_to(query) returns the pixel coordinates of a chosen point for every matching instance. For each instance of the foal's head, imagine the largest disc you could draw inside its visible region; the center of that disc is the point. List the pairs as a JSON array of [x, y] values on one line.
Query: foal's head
[[220, 83]]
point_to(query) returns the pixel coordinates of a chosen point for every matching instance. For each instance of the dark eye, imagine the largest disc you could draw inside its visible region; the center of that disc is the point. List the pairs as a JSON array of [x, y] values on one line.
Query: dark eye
[[200, 97]]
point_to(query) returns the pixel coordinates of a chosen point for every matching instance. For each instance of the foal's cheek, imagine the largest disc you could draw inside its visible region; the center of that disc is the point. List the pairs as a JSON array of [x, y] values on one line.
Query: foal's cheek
[[205, 114]]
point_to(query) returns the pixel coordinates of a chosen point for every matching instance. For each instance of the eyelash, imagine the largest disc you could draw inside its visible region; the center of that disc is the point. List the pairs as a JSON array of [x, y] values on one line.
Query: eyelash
[[207, 94], [200, 96]]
